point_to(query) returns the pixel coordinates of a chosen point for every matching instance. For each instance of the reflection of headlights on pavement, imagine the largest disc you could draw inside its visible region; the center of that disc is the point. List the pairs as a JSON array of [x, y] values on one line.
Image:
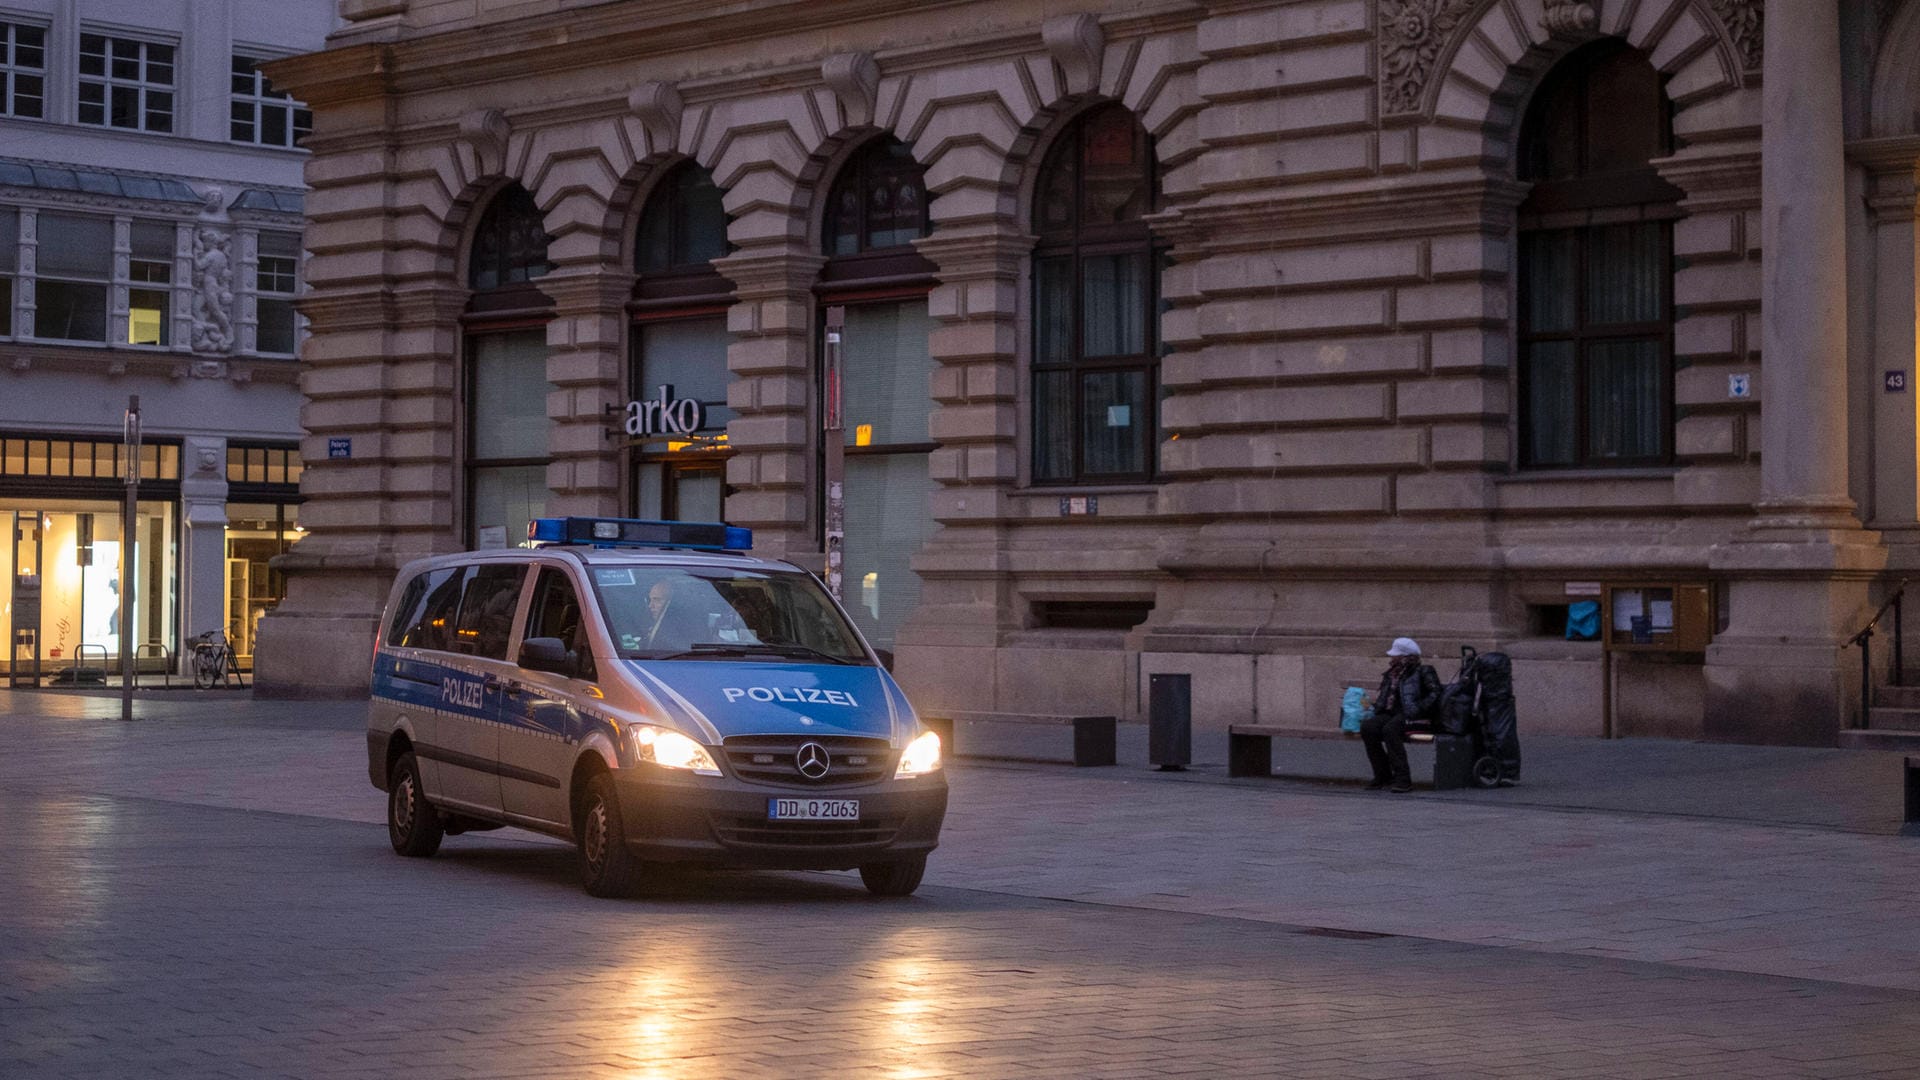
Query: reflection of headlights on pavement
[[921, 756], [672, 750]]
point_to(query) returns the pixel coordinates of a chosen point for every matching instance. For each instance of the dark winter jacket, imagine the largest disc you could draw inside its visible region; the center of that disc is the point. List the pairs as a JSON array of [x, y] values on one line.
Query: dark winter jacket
[[1419, 693]]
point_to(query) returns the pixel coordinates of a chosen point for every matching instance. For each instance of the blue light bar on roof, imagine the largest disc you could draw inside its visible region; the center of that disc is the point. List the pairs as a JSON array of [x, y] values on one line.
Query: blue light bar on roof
[[631, 532]]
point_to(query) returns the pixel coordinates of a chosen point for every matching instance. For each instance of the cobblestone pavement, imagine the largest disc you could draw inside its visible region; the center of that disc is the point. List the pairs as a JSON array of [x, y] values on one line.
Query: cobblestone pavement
[[208, 894]]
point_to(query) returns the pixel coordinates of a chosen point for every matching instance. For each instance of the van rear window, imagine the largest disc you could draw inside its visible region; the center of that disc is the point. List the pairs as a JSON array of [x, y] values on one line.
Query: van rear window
[[463, 609]]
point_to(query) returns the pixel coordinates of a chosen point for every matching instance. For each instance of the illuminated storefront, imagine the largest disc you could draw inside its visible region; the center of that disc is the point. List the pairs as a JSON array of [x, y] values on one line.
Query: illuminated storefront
[[263, 521], [62, 498]]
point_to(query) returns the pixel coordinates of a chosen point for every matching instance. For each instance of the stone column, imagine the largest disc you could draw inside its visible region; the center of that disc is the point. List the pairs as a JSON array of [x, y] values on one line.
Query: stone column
[[586, 362], [1803, 306], [945, 652], [772, 435], [379, 372], [1798, 578]]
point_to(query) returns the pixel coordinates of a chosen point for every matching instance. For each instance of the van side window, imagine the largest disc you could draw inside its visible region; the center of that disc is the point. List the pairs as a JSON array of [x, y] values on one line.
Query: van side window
[[425, 612], [486, 611], [556, 614]]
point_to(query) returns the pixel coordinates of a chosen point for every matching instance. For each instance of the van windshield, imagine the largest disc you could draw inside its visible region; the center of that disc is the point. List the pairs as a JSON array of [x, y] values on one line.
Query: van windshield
[[719, 613]]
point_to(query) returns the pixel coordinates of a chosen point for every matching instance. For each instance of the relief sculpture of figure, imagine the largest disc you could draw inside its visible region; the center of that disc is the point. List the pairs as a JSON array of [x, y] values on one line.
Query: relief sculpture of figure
[[212, 292]]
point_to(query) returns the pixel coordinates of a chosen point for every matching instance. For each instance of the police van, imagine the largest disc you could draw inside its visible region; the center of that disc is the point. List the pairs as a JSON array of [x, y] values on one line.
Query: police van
[[652, 694]]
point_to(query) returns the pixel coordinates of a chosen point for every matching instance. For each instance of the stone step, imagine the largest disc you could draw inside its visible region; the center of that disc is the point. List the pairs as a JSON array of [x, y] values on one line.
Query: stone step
[[1883, 718], [1871, 739], [1897, 697]]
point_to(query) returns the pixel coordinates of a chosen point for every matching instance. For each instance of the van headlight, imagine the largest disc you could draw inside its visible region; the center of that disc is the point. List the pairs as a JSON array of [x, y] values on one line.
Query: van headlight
[[921, 756], [671, 750]]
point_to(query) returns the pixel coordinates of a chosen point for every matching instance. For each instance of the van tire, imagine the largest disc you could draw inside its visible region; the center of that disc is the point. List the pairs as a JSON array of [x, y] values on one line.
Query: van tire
[[894, 878], [607, 868], [413, 825]]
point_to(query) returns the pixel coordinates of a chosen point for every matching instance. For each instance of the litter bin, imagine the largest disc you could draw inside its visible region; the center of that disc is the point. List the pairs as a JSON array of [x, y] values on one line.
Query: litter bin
[[1170, 721]]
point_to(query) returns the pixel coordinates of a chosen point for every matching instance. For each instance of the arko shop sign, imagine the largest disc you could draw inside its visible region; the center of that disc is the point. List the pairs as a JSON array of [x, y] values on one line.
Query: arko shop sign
[[665, 415]]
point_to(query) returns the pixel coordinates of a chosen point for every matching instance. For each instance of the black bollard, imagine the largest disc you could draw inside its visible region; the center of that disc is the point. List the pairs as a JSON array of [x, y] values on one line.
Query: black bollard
[[1170, 721]]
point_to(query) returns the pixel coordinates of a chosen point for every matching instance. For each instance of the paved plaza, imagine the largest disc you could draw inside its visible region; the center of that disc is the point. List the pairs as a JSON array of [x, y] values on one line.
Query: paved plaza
[[208, 893]]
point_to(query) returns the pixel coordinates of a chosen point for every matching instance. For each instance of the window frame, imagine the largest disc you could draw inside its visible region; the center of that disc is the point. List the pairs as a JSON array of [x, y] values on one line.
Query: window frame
[[1581, 206], [140, 85], [12, 70], [679, 291], [1077, 243], [259, 97], [263, 296], [496, 225], [106, 282], [472, 464], [880, 159]]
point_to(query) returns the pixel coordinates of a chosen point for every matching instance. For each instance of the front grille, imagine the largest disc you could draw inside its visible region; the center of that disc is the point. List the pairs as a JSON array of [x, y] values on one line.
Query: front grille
[[754, 831], [769, 759]]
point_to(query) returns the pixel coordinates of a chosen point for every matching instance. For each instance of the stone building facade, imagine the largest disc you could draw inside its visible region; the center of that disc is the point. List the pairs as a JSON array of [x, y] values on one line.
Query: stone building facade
[[1230, 338]]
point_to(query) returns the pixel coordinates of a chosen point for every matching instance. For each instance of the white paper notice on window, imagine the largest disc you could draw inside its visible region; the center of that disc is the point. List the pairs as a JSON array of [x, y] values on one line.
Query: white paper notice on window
[[1626, 607], [1119, 416], [492, 536], [1662, 612]]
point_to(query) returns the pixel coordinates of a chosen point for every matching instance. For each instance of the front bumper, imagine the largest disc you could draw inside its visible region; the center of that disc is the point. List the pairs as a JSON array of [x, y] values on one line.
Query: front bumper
[[672, 817]]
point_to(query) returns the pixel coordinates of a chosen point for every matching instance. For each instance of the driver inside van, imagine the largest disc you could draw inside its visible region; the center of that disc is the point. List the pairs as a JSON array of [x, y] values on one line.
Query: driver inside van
[[675, 620]]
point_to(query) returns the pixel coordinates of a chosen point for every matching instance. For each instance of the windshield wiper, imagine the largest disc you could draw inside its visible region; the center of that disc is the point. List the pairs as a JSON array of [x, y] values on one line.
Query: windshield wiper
[[716, 649]]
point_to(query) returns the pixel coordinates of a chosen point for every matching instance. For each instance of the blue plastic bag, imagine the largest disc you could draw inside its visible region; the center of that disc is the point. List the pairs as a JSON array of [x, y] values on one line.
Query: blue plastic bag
[[1583, 620], [1354, 710]]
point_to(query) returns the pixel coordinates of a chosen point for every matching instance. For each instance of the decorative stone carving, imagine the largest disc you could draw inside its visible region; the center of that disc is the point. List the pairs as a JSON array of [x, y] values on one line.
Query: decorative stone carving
[[1412, 34], [1077, 44], [212, 291], [209, 369], [1569, 18], [1744, 19], [487, 131], [855, 79], [657, 105]]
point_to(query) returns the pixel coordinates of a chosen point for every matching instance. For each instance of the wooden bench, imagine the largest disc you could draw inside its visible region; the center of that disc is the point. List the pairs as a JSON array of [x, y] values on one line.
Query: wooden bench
[[1095, 738], [1250, 750]]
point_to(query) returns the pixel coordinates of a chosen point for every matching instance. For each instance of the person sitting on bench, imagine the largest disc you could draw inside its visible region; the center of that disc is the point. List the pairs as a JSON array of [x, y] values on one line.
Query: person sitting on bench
[[1408, 691]]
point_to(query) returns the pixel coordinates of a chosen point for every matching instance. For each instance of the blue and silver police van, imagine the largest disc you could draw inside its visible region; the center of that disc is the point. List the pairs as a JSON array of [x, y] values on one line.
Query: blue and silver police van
[[651, 693]]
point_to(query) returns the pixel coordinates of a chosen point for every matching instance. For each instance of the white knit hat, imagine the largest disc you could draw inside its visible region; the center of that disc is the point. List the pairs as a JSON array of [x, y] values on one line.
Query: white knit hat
[[1404, 646]]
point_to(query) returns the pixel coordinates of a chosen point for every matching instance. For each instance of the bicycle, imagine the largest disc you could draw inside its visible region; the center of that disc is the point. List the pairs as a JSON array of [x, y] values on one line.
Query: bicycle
[[213, 661]]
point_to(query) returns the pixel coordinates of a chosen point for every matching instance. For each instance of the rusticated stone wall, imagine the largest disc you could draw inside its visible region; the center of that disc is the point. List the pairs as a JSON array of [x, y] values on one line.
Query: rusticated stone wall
[[1338, 418]]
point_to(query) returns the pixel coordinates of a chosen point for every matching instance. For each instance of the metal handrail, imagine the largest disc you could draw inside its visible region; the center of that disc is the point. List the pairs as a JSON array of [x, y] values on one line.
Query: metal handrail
[[1864, 639]]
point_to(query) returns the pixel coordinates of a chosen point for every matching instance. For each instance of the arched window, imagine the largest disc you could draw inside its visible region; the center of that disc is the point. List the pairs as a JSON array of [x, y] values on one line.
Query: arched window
[[679, 348], [506, 372], [510, 244], [1596, 238], [1095, 288], [875, 209], [878, 201], [684, 226]]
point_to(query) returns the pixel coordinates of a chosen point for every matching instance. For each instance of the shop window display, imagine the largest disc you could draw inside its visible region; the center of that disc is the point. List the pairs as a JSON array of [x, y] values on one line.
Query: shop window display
[[65, 561]]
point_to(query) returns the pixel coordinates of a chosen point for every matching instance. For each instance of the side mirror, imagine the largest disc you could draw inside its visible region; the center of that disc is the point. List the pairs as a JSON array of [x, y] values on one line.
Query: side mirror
[[547, 654], [886, 658]]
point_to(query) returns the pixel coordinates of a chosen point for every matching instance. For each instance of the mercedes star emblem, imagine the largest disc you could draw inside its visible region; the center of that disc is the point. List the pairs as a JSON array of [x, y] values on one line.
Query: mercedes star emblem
[[812, 760]]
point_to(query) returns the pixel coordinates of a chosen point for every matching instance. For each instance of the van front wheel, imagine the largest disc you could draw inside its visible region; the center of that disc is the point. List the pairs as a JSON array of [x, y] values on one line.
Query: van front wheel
[[894, 878], [607, 868]]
